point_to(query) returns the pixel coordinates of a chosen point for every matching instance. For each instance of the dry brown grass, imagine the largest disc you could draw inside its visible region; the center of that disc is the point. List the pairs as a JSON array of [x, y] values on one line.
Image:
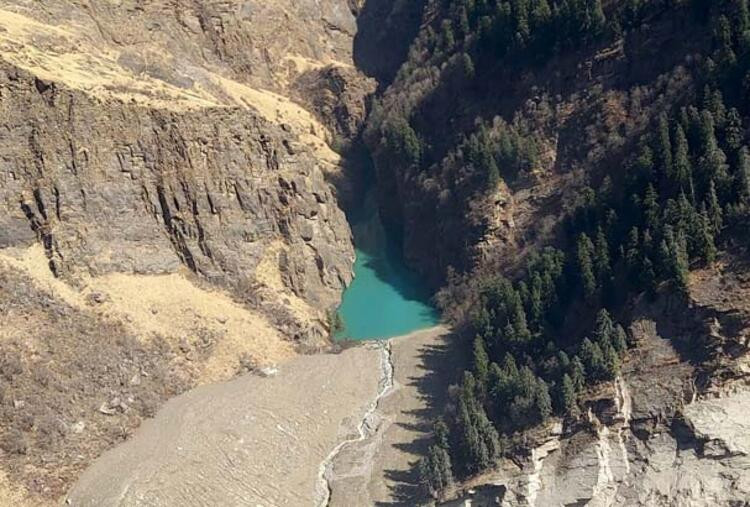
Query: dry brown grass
[[69, 55], [169, 307]]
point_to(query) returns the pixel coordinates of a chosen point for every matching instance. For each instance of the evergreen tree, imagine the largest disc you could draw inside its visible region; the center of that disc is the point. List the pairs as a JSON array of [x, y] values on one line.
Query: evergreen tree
[[664, 146], [467, 67], [601, 257], [463, 23], [714, 209], [578, 374], [489, 436], [435, 471], [681, 260], [682, 169], [633, 253], [568, 394], [542, 401], [713, 160], [598, 20], [475, 454], [593, 360], [742, 176], [733, 132], [706, 245], [620, 339], [448, 37], [402, 141], [442, 434], [585, 266], [651, 209], [611, 362], [481, 364], [604, 329], [563, 360]]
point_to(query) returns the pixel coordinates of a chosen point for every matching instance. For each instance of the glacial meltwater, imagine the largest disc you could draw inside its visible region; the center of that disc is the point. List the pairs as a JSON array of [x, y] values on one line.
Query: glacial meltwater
[[386, 298]]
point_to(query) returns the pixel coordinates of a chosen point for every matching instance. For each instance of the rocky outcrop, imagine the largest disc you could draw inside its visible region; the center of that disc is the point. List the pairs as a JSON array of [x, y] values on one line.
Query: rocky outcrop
[[124, 188], [148, 138]]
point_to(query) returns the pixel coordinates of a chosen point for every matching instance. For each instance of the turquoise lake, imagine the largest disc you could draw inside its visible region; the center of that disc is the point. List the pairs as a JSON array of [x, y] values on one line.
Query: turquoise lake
[[386, 298]]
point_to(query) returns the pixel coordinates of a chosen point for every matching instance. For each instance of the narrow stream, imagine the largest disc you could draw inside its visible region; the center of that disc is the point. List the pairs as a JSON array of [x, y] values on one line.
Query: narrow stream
[[386, 299]]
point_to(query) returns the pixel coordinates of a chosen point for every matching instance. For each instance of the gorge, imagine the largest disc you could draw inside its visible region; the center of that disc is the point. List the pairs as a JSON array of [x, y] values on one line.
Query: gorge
[[374, 252]]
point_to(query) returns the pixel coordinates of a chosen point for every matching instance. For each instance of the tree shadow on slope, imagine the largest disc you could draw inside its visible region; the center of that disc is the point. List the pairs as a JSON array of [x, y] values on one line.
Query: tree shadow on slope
[[440, 365]]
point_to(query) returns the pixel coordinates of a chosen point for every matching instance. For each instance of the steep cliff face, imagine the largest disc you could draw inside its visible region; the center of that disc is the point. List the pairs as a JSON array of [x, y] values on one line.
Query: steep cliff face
[[165, 202], [142, 139], [222, 192]]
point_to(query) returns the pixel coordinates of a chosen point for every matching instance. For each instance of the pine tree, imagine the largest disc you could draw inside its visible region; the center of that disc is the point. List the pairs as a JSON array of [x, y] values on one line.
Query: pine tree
[[664, 146], [578, 374], [567, 394], [651, 209], [601, 257], [598, 20], [473, 449], [488, 435], [714, 209], [542, 401], [467, 67], [448, 37], [620, 339], [644, 163], [611, 362], [714, 103], [733, 131], [682, 169], [585, 266], [741, 16], [742, 176], [647, 276], [481, 364], [681, 260], [435, 471], [633, 253], [442, 434], [424, 471], [604, 328], [713, 160], [463, 23], [402, 141], [593, 360], [706, 244], [541, 15], [563, 360]]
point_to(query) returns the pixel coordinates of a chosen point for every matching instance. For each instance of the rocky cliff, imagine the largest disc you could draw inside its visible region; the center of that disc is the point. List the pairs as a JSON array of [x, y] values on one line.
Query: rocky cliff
[[165, 201]]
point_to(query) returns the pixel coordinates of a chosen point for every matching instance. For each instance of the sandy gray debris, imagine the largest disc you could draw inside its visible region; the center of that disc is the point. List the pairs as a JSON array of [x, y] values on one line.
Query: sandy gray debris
[[379, 470], [252, 441]]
